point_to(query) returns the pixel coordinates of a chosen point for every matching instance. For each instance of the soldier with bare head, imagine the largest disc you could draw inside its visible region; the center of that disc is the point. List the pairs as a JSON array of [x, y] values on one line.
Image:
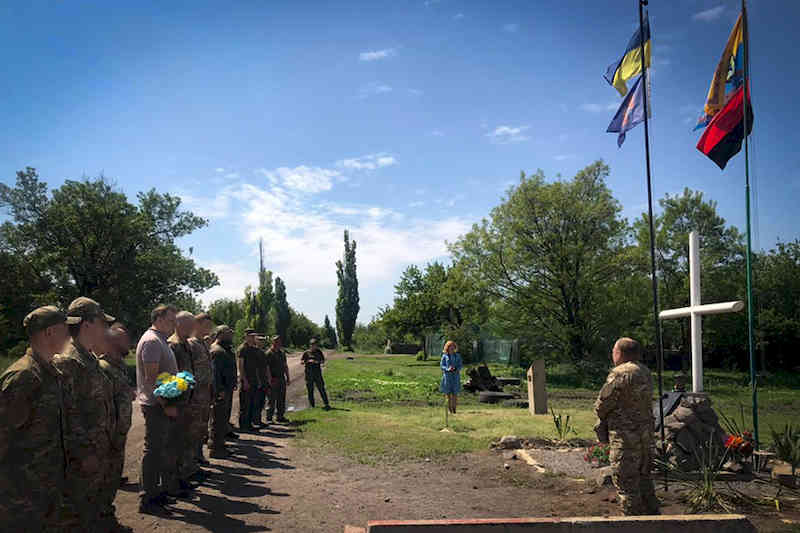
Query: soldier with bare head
[[625, 421], [31, 417]]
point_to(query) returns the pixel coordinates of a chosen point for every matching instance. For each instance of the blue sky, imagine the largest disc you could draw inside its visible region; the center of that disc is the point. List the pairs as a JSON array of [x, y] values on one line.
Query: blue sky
[[402, 121]]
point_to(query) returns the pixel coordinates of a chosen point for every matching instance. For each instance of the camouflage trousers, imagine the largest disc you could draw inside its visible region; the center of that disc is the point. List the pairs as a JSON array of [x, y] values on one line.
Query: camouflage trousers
[[219, 421], [631, 456], [36, 507], [86, 503], [182, 445]]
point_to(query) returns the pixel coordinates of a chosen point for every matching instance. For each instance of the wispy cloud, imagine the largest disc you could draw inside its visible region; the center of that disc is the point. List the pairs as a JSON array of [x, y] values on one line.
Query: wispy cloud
[[511, 28], [709, 14], [563, 157], [597, 108], [508, 134], [436, 133], [220, 169], [415, 92], [368, 162], [458, 16], [376, 54], [373, 88], [303, 179], [232, 175], [416, 204]]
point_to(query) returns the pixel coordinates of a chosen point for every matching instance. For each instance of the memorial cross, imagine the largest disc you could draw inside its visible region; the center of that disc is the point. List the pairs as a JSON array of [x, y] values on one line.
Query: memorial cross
[[696, 311]]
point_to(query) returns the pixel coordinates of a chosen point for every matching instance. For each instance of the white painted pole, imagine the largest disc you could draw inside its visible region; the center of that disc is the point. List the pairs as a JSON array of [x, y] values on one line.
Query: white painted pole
[[705, 309], [697, 320]]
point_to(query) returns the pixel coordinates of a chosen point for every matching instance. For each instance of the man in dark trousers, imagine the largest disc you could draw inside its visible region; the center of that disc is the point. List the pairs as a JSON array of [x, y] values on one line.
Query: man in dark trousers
[[279, 379], [247, 358], [264, 380], [313, 359], [224, 370]]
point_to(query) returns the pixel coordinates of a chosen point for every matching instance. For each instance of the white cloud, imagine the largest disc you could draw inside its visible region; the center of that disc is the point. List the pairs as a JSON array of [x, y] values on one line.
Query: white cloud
[[416, 204], [458, 16], [597, 108], [373, 88], [436, 133], [377, 54], [368, 162], [232, 175], [508, 134], [220, 169], [709, 14], [213, 208], [563, 157], [511, 28], [304, 179], [414, 92]]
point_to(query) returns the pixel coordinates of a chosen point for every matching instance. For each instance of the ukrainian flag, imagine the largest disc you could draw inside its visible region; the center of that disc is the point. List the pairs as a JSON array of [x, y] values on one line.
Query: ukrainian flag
[[630, 64]]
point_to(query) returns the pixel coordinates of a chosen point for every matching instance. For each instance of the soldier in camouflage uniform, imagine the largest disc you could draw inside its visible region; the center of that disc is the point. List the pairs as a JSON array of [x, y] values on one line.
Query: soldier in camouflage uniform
[[223, 362], [202, 397], [264, 380], [31, 428], [180, 440], [247, 358], [113, 365], [89, 418], [625, 421]]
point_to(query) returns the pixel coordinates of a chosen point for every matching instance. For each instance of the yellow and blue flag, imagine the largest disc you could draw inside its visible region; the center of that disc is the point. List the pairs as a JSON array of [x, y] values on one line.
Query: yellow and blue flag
[[728, 77], [630, 65], [630, 112]]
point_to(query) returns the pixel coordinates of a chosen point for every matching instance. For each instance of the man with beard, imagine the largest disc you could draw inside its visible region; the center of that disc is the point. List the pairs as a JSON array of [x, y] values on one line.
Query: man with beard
[[89, 419]]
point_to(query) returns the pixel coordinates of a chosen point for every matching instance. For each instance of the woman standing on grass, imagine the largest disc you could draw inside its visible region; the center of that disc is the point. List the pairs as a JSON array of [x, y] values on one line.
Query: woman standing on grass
[[451, 374]]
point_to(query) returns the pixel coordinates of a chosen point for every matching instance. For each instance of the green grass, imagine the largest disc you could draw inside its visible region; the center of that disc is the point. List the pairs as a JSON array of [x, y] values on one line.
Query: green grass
[[391, 408]]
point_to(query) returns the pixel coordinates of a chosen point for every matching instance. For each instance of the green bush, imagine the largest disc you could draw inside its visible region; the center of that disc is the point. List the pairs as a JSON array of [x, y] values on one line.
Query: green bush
[[421, 356]]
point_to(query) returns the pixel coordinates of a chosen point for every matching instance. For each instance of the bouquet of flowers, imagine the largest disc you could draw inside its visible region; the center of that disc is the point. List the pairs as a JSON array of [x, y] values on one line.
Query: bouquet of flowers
[[597, 453], [173, 387], [740, 445]]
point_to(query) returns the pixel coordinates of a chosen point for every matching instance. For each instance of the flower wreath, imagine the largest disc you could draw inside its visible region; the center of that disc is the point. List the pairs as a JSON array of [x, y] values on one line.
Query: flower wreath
[[173, 386]]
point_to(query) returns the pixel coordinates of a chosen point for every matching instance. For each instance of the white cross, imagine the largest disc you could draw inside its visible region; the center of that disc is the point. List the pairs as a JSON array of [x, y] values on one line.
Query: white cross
[[696, 311]]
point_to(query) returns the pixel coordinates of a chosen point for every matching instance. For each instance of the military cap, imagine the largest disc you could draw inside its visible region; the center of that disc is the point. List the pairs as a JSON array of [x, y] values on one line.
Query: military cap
[[222, 328], [275, 338], [44, 317], [86, 308], [249, 331], [313, 341]]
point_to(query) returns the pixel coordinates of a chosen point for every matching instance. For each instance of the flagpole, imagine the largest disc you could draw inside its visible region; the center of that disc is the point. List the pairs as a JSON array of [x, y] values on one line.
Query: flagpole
[[656, 320], [750, 341]]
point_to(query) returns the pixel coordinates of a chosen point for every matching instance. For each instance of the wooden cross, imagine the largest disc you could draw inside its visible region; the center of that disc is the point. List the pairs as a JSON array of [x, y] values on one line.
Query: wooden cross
[[696, 311]]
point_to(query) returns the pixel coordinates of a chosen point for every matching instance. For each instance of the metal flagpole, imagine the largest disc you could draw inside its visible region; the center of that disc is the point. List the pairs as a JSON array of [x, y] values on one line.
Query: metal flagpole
[[750, 342], [657, 322]]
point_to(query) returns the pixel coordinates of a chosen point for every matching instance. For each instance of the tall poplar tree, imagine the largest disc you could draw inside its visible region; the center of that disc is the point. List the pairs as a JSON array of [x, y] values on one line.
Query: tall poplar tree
[[283, 316], [347, 301]]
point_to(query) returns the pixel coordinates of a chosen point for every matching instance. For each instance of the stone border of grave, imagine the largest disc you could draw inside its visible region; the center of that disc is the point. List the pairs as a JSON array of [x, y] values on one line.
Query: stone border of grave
[[512, 442]]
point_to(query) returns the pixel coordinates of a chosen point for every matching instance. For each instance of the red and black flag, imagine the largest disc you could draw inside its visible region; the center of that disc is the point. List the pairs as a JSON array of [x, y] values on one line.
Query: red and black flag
[[722, 138]]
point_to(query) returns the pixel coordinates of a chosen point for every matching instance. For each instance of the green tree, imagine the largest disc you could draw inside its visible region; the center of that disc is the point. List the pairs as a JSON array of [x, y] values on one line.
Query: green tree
[[264, 297], [87, 239], [226, 311], [347, 306], [283, 316], [301, 329], [546, 253], [328, 334]]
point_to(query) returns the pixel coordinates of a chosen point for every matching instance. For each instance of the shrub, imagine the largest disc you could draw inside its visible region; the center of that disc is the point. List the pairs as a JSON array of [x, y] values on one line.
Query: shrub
[[421, 356], [564, 428], [787, 445]]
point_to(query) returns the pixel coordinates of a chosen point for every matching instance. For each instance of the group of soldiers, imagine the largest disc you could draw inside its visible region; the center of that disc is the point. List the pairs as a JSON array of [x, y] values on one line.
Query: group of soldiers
[[66, 410]]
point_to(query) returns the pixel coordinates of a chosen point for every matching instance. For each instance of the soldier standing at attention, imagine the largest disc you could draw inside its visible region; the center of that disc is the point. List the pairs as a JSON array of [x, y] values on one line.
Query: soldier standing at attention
[[112, 363], [625, 421], [180, 440], [224, 368], [202, 397], [279, 379], [89, 419], [313, 359], [31, 428], [154, 356], [264, 379], [247, 356]]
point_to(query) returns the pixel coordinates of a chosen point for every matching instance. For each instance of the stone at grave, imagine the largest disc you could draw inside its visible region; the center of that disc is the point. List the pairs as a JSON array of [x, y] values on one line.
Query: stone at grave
[[537, 391], [510, 442], [689, 428], [510, 455], [602, 476]]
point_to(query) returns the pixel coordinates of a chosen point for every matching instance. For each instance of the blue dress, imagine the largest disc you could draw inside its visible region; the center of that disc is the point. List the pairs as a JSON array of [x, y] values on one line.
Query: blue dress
[[451, 381]]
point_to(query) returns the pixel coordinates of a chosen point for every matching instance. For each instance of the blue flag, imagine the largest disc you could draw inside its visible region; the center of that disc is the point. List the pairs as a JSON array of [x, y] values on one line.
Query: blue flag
[[630, 112]]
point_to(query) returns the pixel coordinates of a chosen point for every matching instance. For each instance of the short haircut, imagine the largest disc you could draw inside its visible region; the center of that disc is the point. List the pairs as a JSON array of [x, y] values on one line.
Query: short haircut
[[160, 311], [118, 325], [184, 315], [202, 317], [629, 348], [75, 329]]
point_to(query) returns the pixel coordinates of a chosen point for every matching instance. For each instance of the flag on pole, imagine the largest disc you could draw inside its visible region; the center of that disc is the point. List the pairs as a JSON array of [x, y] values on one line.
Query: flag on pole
[[723, 137], [630, 64], [630, 112], [728, 77]]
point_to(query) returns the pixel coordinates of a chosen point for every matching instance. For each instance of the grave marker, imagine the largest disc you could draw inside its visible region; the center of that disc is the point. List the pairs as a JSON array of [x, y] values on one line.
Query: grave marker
[[537, 392]]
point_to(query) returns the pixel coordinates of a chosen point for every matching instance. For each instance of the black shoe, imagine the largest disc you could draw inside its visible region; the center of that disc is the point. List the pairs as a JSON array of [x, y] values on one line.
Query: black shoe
[[164, 499], [152, 506], [327, 407], [202, 461], [123, 480], [232, 435], [219, 454], [282, 420], [185, 485], [182, 494]]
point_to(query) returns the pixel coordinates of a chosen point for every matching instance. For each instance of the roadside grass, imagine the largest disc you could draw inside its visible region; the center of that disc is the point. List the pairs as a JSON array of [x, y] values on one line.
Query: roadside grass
[[389, 409]]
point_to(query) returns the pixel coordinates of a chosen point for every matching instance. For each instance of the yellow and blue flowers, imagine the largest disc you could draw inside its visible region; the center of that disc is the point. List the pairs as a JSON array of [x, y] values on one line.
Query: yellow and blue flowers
[[172, 387]]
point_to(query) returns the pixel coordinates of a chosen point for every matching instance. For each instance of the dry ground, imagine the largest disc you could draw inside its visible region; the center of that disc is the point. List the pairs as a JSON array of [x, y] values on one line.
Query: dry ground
[[271, 484]]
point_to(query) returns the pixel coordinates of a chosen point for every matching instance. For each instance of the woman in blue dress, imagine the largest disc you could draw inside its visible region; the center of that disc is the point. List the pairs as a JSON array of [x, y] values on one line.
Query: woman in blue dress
[[451, 374]]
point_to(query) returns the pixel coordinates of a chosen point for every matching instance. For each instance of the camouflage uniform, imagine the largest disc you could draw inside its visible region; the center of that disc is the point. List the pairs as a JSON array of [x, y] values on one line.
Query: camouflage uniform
[[200, 405], [123, 408], [89, 428], [180, 439], [224, 366], [248, 399], [32, 459], [625, 420], [261, 393], [276, 361]]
